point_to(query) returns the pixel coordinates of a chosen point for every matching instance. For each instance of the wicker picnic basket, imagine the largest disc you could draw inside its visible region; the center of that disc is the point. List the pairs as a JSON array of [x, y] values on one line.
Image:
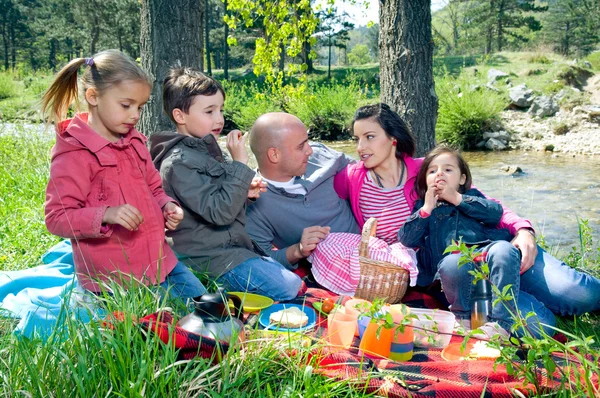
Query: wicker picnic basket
[[378, 279]]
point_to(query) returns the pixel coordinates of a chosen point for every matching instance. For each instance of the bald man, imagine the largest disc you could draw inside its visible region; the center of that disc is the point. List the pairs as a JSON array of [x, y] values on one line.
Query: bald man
[[300, 206]]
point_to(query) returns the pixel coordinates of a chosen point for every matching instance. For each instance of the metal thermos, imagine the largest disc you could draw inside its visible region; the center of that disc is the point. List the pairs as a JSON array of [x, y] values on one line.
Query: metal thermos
[[482, 303]]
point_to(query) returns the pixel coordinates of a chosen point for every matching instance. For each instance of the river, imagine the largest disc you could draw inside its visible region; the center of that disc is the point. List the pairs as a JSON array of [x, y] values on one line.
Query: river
[[553, 192]]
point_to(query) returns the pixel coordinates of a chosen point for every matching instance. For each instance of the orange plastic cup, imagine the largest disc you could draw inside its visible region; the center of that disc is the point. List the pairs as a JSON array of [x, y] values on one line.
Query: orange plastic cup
[[350, 306], [340, 329], [374, 347]]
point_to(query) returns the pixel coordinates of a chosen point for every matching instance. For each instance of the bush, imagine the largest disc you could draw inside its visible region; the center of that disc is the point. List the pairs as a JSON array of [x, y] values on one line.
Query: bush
[[561, 128], [327, 110], [594, 59], [464, 112], [538, 59], [7, 86], [244, 104]]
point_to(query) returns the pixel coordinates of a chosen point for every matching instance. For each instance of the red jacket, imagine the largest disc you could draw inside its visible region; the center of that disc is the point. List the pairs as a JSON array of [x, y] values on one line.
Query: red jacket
[[88, 174]]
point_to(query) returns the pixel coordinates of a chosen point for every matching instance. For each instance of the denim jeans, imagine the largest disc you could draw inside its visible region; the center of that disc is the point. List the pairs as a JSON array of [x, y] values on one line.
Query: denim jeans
[[504, 261], [182, 283], [265, 276]]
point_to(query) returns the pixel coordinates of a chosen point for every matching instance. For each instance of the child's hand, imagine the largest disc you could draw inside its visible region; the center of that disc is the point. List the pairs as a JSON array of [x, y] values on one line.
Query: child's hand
[[448, 193], [431, 198], [256, 187], [236, 145], [173, 215], [126, 216]]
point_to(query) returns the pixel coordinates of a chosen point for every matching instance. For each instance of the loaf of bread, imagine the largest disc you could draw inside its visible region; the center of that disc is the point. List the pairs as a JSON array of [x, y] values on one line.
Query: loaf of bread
[[482, 351], [289, 318]]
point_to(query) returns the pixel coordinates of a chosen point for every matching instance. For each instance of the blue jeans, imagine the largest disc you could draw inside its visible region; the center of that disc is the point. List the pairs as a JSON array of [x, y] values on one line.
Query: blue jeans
[[504, 261], [265, 276], [182, 283]]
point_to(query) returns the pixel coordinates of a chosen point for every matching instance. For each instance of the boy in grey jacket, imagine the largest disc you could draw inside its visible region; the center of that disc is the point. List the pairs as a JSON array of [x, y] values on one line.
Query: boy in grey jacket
[[212, 191]]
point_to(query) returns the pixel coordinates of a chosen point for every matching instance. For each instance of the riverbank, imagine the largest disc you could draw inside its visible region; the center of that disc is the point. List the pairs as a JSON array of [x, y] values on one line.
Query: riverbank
[[567, 132]]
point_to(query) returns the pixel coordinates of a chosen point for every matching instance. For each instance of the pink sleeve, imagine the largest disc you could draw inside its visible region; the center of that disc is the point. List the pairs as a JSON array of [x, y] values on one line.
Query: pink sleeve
[[340, 183], [66, 212], [510, 220]]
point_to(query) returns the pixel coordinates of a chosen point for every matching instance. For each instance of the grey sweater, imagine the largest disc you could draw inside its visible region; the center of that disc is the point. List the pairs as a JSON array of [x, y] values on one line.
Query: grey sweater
[[278, 217]]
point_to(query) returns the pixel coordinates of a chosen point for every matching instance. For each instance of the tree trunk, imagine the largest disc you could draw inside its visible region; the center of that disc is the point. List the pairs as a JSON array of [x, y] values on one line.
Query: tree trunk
[[329, 60], [500, 26], [207, 37], [13, 46], [163, 44], [226, 47], [310, 68], [406, 57], [5, 40], [52, 54]]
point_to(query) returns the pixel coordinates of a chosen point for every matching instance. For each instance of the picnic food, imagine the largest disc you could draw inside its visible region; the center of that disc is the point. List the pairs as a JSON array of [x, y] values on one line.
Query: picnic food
[[482, 351], [327, 306], [289, 318]]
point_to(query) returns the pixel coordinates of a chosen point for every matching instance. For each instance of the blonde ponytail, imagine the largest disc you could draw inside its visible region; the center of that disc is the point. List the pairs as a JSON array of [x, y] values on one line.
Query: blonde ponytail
[[104, 70], [62, 92]]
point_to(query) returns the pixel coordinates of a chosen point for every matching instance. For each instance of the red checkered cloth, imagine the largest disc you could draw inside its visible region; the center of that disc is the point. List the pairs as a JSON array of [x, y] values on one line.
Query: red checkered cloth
[[426, 375], [190, 345], [335, 261]]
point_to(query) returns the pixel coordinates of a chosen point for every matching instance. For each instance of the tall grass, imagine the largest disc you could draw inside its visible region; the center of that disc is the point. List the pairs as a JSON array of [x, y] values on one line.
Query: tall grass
[[465, 109], [25, 159], [86, 360]]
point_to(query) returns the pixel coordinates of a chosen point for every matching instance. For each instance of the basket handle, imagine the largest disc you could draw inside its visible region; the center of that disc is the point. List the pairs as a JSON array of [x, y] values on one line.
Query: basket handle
[[368, 230]]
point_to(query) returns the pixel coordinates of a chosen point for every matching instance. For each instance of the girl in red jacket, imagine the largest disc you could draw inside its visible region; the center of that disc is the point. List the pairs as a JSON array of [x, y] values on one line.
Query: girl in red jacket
[[104, 192]]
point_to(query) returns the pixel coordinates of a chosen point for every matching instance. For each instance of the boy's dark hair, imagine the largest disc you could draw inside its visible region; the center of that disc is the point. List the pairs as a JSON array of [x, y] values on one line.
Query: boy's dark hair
[[421, 183], [392, 124], [181, 85]]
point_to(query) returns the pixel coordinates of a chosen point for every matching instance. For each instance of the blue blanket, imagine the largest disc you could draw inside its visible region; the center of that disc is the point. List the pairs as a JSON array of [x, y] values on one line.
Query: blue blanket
[[44, 296]]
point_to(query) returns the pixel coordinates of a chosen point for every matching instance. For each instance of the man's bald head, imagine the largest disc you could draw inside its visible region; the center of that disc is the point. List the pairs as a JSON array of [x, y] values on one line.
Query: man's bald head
[[269, 131]]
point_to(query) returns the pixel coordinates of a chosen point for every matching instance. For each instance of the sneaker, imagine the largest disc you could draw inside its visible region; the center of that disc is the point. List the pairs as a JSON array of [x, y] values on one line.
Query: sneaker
[[489, 330]]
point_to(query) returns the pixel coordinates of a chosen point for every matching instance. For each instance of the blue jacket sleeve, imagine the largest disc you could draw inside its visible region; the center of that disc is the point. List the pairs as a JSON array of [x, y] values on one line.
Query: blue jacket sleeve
[[412, 233], [479, 208]]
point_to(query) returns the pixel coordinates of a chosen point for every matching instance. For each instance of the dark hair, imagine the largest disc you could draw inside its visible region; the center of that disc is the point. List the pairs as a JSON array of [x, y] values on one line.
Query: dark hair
[[181, 86], [421, 183], [391, 123], [103, 70]]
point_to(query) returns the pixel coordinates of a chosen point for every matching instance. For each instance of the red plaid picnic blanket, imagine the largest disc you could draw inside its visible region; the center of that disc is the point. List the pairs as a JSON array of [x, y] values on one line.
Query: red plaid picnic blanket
[[426, 375]]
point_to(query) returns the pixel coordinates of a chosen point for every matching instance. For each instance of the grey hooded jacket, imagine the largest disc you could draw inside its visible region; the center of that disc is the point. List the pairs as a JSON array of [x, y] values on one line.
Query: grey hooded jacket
[[212, 193]]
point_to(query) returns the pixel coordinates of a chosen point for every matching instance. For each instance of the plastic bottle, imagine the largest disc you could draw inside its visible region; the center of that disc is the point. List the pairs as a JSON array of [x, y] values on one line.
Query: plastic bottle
[[482, 303]]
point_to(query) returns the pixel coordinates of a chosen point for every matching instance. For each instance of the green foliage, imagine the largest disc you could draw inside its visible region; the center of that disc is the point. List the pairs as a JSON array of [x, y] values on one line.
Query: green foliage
[[327, 110], [527, 356], [594, 59], [538, 59], [572, 26], [7, 85], [288, 27], [465, 111], [584, 257], [245, 103], [359, 55]]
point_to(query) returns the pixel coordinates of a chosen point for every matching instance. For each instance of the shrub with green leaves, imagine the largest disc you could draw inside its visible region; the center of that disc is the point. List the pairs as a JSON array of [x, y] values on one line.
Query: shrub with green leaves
[[7, 85], [327, 110], [245, 103], [464, 111]]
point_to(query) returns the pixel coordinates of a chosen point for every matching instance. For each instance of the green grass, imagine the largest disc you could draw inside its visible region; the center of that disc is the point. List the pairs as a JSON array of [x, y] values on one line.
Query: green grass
[[91, 360], [25, 158], [20, 95]]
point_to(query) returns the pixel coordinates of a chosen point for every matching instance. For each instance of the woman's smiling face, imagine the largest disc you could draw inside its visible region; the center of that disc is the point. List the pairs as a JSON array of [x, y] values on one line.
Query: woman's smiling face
[[373, 145]]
